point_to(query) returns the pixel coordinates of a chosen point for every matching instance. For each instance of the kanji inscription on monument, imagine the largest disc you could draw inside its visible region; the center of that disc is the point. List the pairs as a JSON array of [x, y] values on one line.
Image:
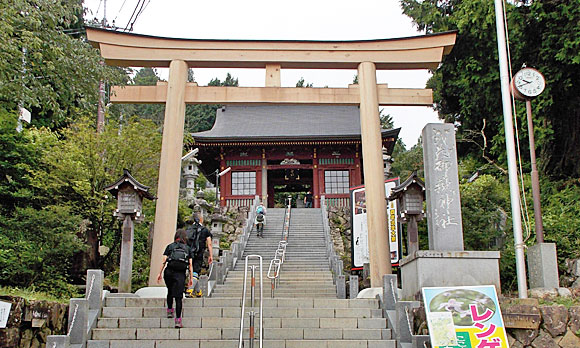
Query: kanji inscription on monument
[[442, 187]]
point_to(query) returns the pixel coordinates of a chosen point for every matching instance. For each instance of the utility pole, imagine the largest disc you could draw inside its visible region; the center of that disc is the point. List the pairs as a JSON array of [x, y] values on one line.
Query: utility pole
[[511, 151], [100, 105]]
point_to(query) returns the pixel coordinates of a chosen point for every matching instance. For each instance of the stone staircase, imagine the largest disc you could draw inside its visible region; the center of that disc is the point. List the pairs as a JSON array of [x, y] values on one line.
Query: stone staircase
[[305, 312], [306, 271]]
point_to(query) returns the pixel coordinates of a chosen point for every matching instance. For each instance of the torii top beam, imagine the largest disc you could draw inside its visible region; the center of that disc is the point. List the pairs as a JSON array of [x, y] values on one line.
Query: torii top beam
[[124, 49]]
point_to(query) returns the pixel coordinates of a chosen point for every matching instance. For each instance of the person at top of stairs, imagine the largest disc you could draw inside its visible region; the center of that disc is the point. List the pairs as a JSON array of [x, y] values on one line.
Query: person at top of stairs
[[176, 261], [260, 220]]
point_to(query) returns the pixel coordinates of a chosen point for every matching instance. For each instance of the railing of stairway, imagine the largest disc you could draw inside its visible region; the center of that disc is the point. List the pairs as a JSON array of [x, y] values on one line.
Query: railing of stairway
[[336, 264], [252, 313], [82, 313], [275, 267]]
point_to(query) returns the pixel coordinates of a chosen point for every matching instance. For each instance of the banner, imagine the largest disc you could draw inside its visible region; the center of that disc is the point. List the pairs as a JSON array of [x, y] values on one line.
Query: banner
[[358, 213], [464, 317]]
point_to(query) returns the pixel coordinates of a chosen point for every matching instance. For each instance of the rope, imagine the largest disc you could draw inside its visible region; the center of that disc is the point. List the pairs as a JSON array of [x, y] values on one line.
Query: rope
[[393, 289], [408, 320], [72, 323], [91, 286]]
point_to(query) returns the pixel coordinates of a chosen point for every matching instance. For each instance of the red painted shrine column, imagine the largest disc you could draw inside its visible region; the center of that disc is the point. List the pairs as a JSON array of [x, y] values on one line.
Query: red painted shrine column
[[379, 253], [315, 186]]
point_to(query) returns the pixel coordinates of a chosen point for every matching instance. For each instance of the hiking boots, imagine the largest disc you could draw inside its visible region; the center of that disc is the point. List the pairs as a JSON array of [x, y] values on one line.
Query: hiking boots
[[178, 323], [170, 312]]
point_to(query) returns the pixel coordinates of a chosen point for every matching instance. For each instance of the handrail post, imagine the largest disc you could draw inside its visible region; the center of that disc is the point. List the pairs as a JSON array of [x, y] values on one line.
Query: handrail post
[[244, 289], [252, 333], [78, 317]]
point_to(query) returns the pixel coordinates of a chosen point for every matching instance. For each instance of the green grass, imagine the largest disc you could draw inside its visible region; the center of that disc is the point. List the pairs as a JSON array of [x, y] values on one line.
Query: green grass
[[31, 294], [564, 301]]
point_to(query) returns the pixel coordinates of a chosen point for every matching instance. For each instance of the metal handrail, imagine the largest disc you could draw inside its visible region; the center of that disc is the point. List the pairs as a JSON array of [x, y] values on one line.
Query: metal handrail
[[251, 313], [287, 215], [276, 265]]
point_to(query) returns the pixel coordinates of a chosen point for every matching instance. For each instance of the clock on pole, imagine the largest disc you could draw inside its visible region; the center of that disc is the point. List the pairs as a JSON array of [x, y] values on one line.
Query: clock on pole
[[527, 83]]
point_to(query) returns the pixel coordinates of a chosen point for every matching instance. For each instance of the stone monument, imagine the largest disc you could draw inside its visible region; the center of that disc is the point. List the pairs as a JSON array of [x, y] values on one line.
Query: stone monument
[[446, 263]]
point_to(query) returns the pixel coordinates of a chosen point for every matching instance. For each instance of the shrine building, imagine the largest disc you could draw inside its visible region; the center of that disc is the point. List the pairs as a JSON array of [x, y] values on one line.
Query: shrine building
[[285, 148]]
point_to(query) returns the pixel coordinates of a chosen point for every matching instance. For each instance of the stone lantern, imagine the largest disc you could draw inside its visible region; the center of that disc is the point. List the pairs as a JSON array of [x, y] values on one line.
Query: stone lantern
[[410, 196], [130, 194], [190, 172]]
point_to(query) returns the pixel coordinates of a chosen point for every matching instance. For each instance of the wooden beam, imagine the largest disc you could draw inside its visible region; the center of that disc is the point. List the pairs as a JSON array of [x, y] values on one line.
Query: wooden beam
[[418, 52], [271, 95], [273, 75]]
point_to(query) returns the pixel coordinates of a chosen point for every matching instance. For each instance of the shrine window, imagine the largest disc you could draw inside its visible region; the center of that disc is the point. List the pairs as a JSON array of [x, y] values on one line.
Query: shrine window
[[243, 183], [336, 181]]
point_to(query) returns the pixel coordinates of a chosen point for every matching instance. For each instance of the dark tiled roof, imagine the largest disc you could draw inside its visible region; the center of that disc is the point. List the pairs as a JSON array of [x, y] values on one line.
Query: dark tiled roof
[[285, 122]]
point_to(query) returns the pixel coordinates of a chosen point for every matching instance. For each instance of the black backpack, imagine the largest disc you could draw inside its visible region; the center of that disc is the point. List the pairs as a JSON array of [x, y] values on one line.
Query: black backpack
[[260, 217], [193, 234], [178, 259]]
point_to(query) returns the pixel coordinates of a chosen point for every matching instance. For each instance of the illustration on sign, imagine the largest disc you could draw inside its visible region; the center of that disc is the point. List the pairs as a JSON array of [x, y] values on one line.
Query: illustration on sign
[[464, 317], [360, 243]]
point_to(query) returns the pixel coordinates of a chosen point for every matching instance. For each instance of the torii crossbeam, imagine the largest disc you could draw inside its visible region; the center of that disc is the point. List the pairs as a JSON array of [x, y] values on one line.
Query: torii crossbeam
[[420, 52]]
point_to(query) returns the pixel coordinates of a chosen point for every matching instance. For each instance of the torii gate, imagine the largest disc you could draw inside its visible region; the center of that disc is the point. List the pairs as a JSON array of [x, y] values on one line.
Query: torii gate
[[132, 50]]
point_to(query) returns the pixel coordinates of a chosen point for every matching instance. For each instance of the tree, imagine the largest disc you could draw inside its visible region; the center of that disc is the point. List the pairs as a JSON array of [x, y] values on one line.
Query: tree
[[44, 66], [301, 83], [75, 169], [466, 85], [201, 117]]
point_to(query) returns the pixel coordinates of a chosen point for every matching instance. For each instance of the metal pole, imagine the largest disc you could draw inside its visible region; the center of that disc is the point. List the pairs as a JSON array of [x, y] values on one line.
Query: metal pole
[[252, 333], [511, 152], [217, 187], [253, 286], [535, 178]]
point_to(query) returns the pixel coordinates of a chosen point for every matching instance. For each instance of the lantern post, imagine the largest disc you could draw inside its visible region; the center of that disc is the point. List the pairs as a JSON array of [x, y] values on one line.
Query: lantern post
[[129, 193], [410, 196]]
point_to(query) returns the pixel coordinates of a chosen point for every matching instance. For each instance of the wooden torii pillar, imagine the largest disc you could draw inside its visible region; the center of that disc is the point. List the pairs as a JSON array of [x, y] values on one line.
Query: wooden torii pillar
[[132, 50]]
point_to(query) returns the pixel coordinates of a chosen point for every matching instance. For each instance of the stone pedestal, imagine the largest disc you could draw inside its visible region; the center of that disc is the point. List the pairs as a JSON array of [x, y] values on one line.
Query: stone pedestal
[[543, 266], [428, 268]]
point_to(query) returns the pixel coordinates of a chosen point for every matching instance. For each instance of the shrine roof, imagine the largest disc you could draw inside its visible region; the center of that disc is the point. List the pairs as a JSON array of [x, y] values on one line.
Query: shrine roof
[[285, 122]]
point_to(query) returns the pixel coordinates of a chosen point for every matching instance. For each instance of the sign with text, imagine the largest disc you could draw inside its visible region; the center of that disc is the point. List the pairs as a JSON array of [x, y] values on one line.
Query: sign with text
[[358, 213], [464, 317], [4, 313]]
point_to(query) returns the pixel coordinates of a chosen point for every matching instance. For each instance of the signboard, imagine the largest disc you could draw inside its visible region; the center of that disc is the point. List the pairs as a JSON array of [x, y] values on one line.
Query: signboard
[[358, 213], [464, 317], [4, 313]]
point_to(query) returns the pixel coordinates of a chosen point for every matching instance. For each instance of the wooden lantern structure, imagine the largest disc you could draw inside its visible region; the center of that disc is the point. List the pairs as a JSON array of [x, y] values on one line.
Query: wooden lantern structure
[[410, 196], [130, 194]]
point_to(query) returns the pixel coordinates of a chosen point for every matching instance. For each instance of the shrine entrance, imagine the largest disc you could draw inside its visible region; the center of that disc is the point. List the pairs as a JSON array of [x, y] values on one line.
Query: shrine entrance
[[290, 181], [366, 56]]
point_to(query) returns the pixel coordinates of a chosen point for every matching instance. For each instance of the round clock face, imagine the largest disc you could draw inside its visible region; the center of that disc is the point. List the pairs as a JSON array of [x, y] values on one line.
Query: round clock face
[[529, 82]]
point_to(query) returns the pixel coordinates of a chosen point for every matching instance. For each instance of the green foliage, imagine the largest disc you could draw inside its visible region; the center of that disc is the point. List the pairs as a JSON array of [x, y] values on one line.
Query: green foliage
[[302, 83], [37, 249], [561, 212], [44, 66], [17, 158], [405, 162], [75, 169], [543, 34], [200, 117], [484, 207]]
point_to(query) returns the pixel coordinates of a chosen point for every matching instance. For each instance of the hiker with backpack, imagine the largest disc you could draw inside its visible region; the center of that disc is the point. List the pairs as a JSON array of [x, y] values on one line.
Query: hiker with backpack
[[260, 220], [176, 261], [198, 237]]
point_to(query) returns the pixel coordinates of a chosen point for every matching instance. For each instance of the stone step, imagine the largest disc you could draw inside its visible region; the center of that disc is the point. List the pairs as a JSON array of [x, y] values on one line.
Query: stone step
[[205, 343], [234, 312], [216, 322], [126, 302], [217, 333]]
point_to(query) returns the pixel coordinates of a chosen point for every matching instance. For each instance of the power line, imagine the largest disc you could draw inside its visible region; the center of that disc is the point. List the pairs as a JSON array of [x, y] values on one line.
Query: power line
[[133, 14]]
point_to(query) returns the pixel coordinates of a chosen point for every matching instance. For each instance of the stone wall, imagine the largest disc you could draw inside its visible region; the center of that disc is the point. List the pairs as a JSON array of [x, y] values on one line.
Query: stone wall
[[570, 276], [30, 322], [558, 326], [340, 232], [234, 219]]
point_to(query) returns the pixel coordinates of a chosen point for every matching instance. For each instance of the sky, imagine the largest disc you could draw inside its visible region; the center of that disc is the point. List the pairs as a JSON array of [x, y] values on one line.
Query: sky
[[339, 20]]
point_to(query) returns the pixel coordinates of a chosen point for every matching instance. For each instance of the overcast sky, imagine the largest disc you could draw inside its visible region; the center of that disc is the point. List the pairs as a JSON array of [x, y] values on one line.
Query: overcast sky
[[277, 20]]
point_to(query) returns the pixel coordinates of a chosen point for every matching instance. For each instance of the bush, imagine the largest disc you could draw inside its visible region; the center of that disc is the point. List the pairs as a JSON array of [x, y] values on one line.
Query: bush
[[37, 248]]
